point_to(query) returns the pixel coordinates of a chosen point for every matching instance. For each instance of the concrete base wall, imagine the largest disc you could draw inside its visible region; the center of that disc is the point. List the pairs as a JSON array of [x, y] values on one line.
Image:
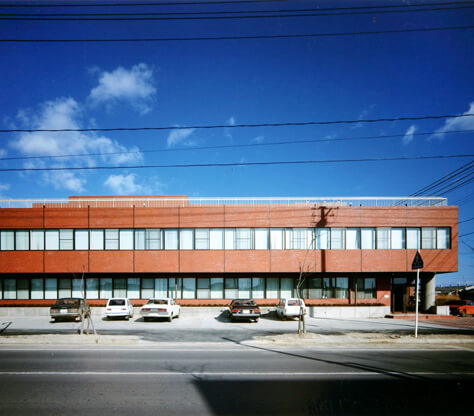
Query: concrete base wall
[[442, 310], [348, 312]]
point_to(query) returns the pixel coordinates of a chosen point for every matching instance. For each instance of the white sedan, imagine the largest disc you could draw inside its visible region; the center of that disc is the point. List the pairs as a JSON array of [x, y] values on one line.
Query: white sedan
[[160, 308], [119, 308]]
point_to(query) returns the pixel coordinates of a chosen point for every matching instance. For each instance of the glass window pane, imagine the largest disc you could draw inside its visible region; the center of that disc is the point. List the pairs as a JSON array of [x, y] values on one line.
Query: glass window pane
[[112, 239], [92, 288], [428, 237], [261, 239], [443, 238], [126, 239], [9, 289], [154, 239], [258, 287], [287, 287], [217, 288], [203, 288], [82, 239], [276, 238], [337, 238], [120, 287], [139, 239], [148, 288], [230, 287], [328, 287], [272, 288], [216, 237], [413, 238], [175, 287], [161, 288], [230, 239], [244, 287], [353, 238], [322, 238], [298, 238], [22, 240], [315, 288], [243, 239], [7, 239], [189, 287], [37, 291], [97, 239], [52, 239], [64, 288], [171, 239], [133, 288], [65, 240], [50, 288], [398, 238], [105, 287], [36, 239], [186, 239], [383, 238], [342, 288], [77, 289], [368, 238], [22, 289], [202, 239]]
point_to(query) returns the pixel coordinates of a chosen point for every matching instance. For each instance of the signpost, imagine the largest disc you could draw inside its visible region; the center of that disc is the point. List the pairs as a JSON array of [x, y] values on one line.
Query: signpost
[[417, 264]]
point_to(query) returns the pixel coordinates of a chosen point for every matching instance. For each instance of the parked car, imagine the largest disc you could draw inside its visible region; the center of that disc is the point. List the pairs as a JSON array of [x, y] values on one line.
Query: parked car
[[461, 307], [119, 308], [70, 308], [160, 308], [244, 309], [290, 308]]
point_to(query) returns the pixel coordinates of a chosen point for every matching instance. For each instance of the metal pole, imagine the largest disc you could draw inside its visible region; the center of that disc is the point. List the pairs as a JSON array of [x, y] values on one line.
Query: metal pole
[[416, 302]]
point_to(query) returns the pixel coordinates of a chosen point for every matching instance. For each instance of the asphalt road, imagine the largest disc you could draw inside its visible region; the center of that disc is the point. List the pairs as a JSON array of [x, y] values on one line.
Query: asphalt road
[[233, 379]]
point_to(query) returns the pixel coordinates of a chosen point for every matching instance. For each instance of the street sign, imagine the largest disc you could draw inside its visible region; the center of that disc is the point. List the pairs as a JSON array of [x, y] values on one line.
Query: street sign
[[417, 262]]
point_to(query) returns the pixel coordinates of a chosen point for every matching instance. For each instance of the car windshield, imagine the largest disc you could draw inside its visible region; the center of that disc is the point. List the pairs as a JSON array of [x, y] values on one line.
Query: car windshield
[[69, 302], [116, 302], [157, 302], [245, 303], [293, 302]]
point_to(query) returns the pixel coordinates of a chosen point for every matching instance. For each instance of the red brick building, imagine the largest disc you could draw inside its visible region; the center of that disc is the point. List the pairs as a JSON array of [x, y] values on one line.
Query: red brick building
[[205, 251]]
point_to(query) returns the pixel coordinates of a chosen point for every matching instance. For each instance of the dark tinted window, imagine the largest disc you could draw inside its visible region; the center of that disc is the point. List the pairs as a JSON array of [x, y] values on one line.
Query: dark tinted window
[[117, 302]]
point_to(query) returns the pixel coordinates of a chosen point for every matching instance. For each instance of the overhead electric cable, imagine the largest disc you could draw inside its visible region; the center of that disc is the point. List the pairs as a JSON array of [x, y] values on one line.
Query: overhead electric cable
[[227, 146], [464, 235], [219, 126], [129, 17], [199, 165], [454, 185], [470, 219], [242, 37]]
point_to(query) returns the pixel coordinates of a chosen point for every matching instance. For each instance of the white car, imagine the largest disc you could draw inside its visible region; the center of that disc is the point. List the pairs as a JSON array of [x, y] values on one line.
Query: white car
[[160, 308], [119, 308], [290, 308]]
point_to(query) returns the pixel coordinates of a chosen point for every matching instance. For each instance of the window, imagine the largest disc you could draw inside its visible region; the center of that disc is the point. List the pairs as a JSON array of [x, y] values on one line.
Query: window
[[203, 288], [337, 238], [276, 238], [244, 287], [171, 239], [230, 288], [413, 238], [52, 239], [64, 288], [97, 239], [82, 239], [22, 289], [261, 239], [92, 288], [315, 288], [7, 240], [443, 238], [189, 287], [77, 289], [120, 287], [216, 237], [126, 239], [273, 287], [230, 238], [342, 288], [428, 237], [398, 238], [383, 238], [50, 288], [105, 287], [243, 238], [186, 237], [353, 238], [258, 288], [217, 287], [322, 238], [148, 288], [112, 239], [37, 240], [175, 286], [297, 239], [65, 240], [153, 239], [22, 240], [365, 288], [140, 239], [161, 288], [202, 239], [286, 287], [9, 289], [133, 288], [37, 289], [368, 238], [328, 287]]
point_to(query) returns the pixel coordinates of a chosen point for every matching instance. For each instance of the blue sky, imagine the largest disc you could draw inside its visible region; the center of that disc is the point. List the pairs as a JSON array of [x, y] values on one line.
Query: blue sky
[[103, 85]]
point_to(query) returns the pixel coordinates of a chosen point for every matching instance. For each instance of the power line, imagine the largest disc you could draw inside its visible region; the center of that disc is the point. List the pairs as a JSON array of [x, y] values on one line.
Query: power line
[[129, 17], [251, 37], [219, 126], [464, 235], [453, 188], [177, 149], [200, 165], [470, 219]]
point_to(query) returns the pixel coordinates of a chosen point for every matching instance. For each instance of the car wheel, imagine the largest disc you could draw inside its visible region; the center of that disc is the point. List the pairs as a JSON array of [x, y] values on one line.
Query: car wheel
[[127, 317], [53, 319], [170, 318], [256, 319], [146, 319], [463, 314]]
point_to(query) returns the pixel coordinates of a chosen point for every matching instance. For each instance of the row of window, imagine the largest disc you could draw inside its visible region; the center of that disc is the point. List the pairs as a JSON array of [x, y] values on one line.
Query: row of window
[[186, 288], [227, 238]]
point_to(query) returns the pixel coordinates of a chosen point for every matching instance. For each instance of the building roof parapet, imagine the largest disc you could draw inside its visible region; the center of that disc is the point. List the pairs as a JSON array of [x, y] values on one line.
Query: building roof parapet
[[182, 201]]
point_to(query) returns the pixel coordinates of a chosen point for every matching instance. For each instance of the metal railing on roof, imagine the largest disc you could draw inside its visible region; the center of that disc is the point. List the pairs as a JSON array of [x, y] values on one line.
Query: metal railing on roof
[[164, 202]]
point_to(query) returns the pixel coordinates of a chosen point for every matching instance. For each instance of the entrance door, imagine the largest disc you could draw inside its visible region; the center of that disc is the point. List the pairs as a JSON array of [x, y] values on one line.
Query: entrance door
[[399, 294]]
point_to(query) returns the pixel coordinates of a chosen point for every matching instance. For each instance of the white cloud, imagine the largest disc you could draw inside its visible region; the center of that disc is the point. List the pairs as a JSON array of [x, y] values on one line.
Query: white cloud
[[231, 121], [134, 86], [4, 187], [409, 134], [460, 123], [66, 113], [363, 115], [258, 139], [180, 137], [126, 185]]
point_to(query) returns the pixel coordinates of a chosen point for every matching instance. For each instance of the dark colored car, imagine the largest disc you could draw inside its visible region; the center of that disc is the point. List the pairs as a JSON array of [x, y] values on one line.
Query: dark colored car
[[461, 307], [244, 309], [70, 308]]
